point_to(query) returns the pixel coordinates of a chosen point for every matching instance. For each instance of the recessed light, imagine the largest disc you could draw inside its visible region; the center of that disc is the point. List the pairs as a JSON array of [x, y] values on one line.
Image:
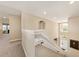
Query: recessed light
[[44, 12], [71, 2], [4, 17], [55, 17]]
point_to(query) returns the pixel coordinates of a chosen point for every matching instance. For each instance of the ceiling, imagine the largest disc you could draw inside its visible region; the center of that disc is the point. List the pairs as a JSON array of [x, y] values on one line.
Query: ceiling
[[5, 11], [52, 10]]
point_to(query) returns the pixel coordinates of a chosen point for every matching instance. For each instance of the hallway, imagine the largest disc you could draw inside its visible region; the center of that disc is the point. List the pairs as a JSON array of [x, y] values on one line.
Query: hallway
[[10, 49]]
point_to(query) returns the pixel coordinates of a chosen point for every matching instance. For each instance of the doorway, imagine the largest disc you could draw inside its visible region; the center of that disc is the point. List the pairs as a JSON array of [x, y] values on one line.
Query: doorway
[[63, 35], [5, 25], [6, 29]]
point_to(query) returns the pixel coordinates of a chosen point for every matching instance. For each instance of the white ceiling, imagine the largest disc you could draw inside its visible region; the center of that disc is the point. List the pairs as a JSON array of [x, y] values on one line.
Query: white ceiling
[[56, 10], [5, 11]]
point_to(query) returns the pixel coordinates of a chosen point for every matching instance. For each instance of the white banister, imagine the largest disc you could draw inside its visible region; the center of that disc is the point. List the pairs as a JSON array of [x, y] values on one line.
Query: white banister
[[30, 38]]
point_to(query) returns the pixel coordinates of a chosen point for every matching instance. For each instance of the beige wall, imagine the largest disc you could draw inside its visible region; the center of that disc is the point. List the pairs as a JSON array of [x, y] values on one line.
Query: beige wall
[[32, 22], [15, 28], [73, 34], [74, 28]]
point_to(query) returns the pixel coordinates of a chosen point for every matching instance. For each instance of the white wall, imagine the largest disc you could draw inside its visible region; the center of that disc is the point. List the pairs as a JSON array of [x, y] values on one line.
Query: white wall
[[28, 43]]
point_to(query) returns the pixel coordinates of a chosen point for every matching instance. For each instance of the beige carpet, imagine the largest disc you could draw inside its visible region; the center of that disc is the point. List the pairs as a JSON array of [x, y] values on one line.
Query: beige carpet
[[8, 49], [42, 51]]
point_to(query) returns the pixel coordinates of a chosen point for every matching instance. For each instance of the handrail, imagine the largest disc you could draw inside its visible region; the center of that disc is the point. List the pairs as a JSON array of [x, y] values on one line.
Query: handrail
[[47, 39], [42, 33], [56, 49]]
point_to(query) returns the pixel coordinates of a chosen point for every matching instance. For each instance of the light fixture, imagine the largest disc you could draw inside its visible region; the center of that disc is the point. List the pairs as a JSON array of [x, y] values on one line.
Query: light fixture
[[71, 2], [44, 12], [4, 17]]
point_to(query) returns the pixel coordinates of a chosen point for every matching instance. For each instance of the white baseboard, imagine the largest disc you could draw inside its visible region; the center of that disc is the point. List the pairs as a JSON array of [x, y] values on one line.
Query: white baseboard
[[15, 40]]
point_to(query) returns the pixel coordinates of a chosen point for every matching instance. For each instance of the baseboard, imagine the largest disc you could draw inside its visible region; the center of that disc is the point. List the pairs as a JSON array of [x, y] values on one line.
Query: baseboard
[[15, 40]]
